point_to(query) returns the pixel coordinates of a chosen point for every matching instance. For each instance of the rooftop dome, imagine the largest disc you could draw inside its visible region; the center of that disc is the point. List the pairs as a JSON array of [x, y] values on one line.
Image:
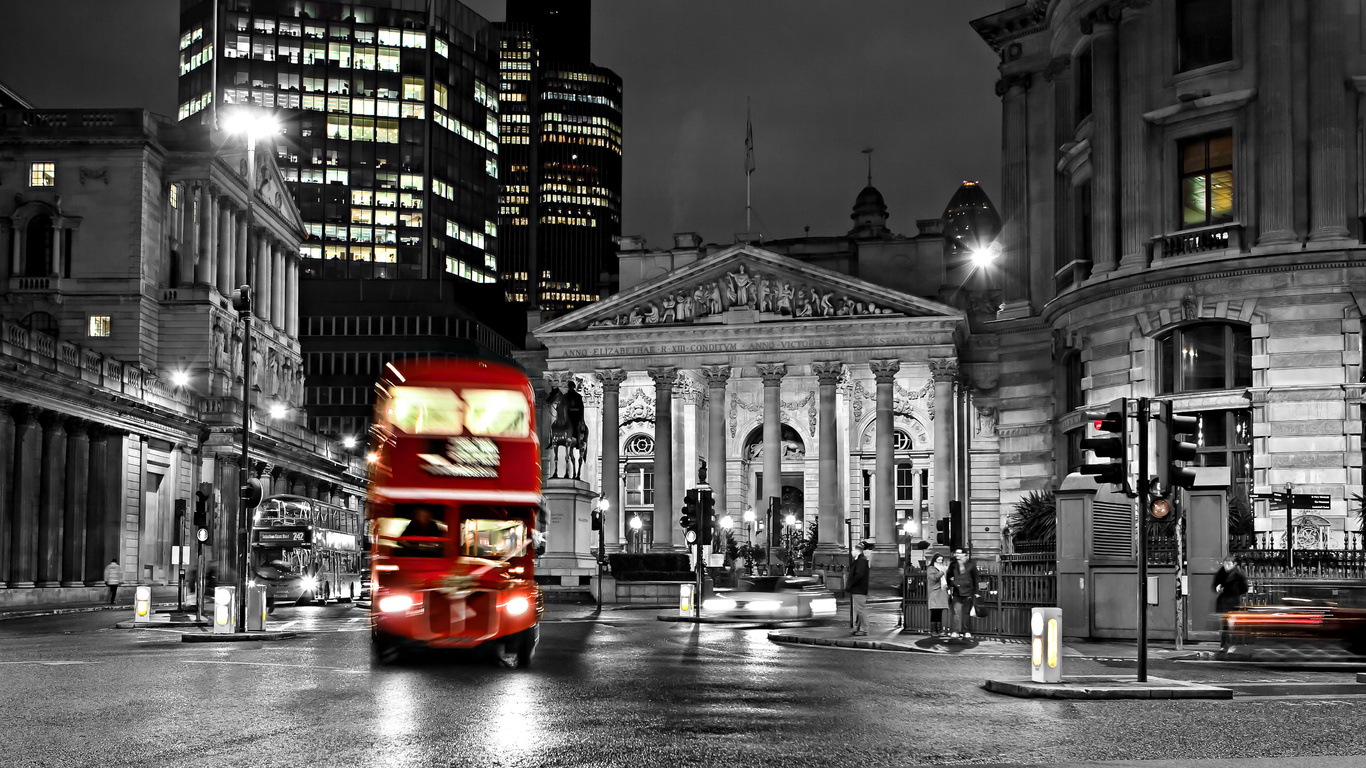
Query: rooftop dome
[[870, 214], [970, 220]]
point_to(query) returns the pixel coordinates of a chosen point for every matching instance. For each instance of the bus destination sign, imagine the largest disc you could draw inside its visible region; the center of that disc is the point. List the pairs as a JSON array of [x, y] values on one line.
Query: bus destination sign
[[465, 457], [281, 536]]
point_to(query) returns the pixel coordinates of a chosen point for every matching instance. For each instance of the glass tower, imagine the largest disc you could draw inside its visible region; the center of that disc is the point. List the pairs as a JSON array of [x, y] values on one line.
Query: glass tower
[[390, 124], [560, 212]]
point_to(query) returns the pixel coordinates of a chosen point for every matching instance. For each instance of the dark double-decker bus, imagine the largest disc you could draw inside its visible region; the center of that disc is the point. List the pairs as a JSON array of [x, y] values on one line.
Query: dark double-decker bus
[[454, 492]]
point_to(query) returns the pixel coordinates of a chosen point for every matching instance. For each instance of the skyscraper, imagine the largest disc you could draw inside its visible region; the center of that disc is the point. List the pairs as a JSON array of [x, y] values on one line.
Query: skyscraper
[[560, 213], [389, 114]]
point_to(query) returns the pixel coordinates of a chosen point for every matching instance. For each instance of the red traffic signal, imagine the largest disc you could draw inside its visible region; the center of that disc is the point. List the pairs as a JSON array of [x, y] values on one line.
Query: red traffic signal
[[1113, 421]]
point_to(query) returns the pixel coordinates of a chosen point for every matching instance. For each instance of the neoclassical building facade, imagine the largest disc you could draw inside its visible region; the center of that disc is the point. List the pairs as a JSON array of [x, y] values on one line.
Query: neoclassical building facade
[[122, 238], [1183, 220]]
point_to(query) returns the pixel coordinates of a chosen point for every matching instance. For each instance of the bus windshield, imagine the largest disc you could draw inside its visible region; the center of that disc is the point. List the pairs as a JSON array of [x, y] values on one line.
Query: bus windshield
[[414, 530], [492, 539]]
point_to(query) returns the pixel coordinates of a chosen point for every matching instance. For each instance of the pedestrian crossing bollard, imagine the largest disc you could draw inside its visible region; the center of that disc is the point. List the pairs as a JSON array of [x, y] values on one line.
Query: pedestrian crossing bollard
[[256, 607], [686, 598], [142, 604], [224, 610], [1045, 624]]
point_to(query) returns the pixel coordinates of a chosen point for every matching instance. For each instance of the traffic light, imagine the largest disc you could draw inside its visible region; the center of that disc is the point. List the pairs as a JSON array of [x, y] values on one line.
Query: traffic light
[[597, 520], [252, 492], [241, 299], [688, 520], [956, 524], [1113, 421], [1172, 448], [202, 529], [708, 521], [941, 527]]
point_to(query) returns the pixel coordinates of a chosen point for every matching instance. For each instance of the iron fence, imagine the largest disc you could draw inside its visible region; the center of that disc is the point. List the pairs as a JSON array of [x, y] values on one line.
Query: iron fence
[[1007, 590]]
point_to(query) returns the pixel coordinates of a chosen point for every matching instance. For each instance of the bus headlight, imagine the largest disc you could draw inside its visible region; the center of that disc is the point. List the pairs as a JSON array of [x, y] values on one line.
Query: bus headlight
[[517, 606], [308, 583], [395, 603]]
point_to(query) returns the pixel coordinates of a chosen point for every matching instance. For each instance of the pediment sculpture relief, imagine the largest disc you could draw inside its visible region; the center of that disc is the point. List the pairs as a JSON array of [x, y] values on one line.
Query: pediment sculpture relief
[[743, 289]]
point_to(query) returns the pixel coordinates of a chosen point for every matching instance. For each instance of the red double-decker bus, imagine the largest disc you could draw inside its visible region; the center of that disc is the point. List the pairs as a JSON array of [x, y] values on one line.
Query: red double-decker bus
[[455, 489]]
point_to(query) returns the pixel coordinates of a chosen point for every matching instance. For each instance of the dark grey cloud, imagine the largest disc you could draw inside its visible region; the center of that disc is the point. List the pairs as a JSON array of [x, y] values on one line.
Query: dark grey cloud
[[825, 80]]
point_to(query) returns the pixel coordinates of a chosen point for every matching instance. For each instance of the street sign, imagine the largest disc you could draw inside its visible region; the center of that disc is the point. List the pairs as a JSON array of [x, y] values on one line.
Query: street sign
[[1311, 501]]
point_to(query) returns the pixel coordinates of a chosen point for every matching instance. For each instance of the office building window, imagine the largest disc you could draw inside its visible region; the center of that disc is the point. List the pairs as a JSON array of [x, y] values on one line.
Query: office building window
[[99, 325], [1204, 356], [640, 485], [1207, 180], [42, 174], [1204, 33], [905, 480]]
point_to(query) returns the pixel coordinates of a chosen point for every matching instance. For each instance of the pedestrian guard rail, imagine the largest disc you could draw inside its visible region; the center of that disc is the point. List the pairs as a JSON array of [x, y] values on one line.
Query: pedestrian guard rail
[[1007, 594]]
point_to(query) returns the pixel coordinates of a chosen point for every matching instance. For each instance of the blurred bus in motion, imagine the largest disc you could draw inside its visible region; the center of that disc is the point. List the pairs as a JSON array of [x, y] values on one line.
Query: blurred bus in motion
[[1290, 615], [306, 550], [455, 490]]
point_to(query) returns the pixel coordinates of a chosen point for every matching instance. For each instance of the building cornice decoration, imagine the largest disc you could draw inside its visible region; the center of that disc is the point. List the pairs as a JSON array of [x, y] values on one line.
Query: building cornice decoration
[[885, 369], [558, 379], [665, 376], [944, 368], [827, 372], [611, 378], [716, 375], [772, 373], [99, 174], [640, 406], [1056, 67], [1021, 80]]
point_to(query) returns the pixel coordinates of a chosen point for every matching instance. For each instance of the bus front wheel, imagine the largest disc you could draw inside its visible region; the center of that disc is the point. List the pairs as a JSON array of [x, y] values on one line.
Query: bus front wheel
[[383, 650]]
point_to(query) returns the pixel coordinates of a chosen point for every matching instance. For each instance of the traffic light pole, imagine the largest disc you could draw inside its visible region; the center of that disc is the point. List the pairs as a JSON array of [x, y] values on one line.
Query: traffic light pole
[[244, 471], [1144, 504]]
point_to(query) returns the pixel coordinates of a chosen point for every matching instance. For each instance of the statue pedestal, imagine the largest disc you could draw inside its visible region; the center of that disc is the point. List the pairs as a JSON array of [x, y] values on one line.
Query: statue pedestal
[[569, 533]]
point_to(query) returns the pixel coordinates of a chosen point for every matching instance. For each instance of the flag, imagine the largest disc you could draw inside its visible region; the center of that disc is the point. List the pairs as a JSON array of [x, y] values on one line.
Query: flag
[[749, 145]]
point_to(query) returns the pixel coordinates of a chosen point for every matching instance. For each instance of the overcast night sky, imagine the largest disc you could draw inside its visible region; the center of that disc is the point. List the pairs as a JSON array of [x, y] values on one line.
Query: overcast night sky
[[826, 79]]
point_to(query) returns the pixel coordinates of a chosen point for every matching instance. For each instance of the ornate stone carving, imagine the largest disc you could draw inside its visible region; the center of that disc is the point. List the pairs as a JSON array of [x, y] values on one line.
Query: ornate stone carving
[[590, 388], [944, 368], [558, 379], [1190, 307], [1056, 67], [664, 376], [827, 371], [688, 389], [884, 369], [716, 375], [611, 379], [1020, 80], [744, 288], [640, 406], [101, 174], [986, 421], [772, 373]]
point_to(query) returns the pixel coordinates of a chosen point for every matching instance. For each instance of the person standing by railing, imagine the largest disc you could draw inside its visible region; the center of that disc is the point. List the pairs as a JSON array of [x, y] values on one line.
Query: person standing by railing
[[937, 592], [1230, 584], [962, 582]]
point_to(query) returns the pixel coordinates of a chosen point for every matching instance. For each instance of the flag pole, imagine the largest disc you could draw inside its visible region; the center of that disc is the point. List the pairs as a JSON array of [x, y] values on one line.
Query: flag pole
[[749, 159]]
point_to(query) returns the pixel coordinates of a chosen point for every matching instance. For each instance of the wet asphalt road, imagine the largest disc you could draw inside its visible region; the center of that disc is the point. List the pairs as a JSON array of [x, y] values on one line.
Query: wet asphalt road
[[624, 689]]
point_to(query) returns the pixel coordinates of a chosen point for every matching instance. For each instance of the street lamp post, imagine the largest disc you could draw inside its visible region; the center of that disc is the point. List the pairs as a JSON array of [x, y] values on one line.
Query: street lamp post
[[603, 505], [789, 522], [635, 533], [253, 125]]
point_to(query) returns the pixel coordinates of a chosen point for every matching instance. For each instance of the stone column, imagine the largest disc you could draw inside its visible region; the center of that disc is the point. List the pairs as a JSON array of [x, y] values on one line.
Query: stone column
[[612, 379], [828, 498], [28, 447], [1013, 90], [1327, 125], [1065, 240], [241, 245], [226, 248], [1276, 149], [292, 294], [77, 488], [203, 263], [97, 510], [884, 485], [277, 290], [717, 376], [261, 280], [772, 375], [663, 523], [944, 371], [1104, 189], [7, 469], [1133, 155], [52, 503]]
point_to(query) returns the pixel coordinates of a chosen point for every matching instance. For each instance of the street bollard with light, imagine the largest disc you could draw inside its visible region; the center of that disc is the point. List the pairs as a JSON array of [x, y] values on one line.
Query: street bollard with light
[[142, 604], [1045, 659], [253, 125]]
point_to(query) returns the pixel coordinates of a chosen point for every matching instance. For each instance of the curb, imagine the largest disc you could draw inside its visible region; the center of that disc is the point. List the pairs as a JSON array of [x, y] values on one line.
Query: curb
[[84, 609], [235, 637], [1107, 688]]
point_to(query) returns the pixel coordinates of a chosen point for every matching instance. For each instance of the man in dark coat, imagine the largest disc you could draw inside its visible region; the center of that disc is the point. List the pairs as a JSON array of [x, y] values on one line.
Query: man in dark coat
[[1230, 585], [962, 579], [858, 589]]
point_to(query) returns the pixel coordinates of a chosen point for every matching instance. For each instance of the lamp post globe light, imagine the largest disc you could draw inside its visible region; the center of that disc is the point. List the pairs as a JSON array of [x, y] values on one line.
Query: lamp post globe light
[[252, 125], [635, 533]]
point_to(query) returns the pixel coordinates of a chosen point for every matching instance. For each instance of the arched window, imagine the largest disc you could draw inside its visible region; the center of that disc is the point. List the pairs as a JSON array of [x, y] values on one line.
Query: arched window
[[38, 246], [1204, 356]]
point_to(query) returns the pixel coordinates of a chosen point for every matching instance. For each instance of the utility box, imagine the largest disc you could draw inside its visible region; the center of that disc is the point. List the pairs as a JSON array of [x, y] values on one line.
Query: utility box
[[224, 610], [142, 605], [1045, 658], [256, 607]]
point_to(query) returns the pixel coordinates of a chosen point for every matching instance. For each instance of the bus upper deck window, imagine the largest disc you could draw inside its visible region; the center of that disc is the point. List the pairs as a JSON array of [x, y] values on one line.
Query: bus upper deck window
[[425, 411], [495, 412]]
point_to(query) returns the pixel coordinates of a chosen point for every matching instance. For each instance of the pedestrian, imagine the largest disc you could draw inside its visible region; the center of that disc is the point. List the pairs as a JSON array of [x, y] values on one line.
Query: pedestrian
[[113, 577], [937, 592], [858, 589], [962, 582], [1230, 585]]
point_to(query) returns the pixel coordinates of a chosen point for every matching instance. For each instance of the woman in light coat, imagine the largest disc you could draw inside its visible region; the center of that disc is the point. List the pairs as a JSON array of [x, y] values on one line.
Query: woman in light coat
[[937, 592]]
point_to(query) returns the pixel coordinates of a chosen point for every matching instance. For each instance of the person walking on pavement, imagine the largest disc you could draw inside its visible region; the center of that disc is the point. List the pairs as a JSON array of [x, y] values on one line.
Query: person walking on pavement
[[1230, 586], [858, 589], [962, 581], [113, 577], [937, 592]]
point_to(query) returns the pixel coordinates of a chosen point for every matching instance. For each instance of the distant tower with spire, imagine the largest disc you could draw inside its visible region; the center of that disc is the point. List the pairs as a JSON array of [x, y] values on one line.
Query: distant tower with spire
[[970, 221]]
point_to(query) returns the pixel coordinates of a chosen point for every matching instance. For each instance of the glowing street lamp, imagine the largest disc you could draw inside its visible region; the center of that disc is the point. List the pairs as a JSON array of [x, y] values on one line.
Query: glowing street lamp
[[348, 442], [278, 411], [180, 378], [984, 255], [635, 524]]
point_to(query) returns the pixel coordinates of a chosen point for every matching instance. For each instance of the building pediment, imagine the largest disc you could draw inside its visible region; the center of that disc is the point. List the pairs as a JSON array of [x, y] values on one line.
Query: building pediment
[[743, 285]]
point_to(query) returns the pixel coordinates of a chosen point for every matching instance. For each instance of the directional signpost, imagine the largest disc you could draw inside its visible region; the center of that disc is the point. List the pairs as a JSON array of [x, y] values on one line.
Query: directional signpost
[[1293, 501]]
